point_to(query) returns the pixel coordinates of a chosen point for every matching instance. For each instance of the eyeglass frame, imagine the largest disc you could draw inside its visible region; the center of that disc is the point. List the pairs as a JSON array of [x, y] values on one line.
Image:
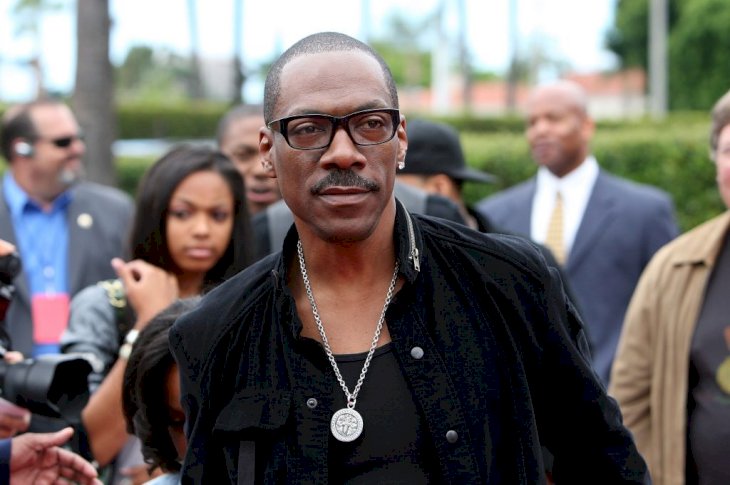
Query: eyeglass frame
[[61, 141], [336, 121]]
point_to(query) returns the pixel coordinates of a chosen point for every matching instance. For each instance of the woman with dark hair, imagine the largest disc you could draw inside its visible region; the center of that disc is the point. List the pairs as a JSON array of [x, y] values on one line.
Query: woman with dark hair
[[191, 231], [151, 395]]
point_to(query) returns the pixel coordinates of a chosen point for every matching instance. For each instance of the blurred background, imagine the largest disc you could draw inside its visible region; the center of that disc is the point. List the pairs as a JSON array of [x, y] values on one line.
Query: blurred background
[[142, 75]]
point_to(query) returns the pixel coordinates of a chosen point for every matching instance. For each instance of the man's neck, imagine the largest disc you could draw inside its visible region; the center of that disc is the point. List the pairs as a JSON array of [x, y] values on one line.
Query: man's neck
[[351, 263], [349, 285], [44, 201]]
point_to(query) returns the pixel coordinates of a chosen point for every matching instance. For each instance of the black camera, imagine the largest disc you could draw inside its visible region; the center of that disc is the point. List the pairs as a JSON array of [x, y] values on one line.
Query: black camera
[[9, 269], [55, 386]]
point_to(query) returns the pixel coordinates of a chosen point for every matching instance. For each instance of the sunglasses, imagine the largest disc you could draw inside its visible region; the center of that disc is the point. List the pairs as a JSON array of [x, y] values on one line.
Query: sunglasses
[[64, 141]]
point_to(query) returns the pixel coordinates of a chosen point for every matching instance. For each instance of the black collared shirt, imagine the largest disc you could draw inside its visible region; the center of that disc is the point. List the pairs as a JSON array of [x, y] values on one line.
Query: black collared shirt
[[492, 351]]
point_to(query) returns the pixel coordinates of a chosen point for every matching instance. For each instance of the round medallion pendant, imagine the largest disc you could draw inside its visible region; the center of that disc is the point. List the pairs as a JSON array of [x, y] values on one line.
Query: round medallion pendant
[[346, 425]]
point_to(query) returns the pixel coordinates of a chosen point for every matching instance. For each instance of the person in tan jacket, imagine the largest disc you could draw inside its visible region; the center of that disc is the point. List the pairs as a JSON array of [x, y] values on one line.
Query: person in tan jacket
[[671, 373]]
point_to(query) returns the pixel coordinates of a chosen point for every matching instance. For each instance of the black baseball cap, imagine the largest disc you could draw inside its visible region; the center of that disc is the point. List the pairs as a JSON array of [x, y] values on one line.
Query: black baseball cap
[[435, 148]]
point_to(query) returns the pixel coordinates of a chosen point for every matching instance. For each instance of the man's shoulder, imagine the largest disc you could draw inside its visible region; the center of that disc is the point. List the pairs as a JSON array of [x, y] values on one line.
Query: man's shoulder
[[487, 250], [98, 193], [630, 191], [508, 197], [223, 309]]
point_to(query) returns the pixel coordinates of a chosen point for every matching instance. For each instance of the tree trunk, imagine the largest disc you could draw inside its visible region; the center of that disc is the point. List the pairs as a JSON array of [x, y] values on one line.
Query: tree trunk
[[196, 83], [93, 98], [238, 76]]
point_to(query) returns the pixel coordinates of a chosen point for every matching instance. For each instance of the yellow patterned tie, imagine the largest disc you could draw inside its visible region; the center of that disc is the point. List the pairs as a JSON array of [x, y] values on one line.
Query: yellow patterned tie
[[554, 239]]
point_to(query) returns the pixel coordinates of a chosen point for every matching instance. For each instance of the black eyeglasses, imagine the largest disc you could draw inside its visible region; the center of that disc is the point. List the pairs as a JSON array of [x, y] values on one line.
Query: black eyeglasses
[[316, 131], [64, 141]]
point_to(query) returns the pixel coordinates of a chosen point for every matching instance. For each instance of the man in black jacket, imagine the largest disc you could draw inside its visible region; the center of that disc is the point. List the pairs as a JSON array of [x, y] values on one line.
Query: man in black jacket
[[381, 345]]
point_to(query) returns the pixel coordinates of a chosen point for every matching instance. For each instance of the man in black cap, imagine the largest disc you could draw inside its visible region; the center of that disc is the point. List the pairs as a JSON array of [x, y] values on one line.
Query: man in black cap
[[435, 163]]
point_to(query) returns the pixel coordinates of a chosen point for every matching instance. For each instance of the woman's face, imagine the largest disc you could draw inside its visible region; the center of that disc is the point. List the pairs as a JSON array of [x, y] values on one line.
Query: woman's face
[[199, 222], [176, 416]]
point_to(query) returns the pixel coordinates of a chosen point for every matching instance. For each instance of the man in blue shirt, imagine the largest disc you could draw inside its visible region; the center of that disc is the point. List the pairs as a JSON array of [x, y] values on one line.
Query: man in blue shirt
[[66, 230]]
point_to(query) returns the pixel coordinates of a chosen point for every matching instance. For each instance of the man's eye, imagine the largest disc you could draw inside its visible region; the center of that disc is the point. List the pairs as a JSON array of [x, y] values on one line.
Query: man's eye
[[304, 129], [245, 154]]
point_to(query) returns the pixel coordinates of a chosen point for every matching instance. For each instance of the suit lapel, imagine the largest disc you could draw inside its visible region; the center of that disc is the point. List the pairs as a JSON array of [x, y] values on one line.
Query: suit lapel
[[522, 215], [8, 233], [78, 245], [601, 209]]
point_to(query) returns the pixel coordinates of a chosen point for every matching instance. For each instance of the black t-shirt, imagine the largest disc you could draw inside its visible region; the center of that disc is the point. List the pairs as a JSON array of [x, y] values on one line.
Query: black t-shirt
[[708, 426], [394, 447]]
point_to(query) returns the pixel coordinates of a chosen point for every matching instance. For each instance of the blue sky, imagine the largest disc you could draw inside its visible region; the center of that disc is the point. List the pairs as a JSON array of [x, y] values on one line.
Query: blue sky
[[570, 29]]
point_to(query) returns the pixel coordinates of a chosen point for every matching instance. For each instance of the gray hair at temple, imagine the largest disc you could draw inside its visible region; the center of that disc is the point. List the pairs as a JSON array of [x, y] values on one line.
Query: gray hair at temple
[[17, 123], [720, 119], [317, 44]]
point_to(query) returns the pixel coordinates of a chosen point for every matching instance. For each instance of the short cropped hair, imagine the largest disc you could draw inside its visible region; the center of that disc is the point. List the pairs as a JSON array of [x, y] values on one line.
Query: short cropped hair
[[234, 114], [17, 123], [317, 44], [148, 238], [143, 390], [720, 119]]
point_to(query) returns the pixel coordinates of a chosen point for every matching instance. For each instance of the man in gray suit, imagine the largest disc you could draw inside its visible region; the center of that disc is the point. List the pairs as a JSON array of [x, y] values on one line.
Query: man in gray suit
[[66, 230], [603, 229]]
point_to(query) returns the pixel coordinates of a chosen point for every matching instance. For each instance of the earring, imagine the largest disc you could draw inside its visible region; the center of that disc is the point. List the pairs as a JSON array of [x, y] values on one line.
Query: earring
[[401, 165]]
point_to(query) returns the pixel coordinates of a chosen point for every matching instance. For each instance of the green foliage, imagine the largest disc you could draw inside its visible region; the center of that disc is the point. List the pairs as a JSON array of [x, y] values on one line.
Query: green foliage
[[154, 76], [477, 124], [130, 171], [699, 68], [698, 39], [179, 120], [410, 66], [629, 37]]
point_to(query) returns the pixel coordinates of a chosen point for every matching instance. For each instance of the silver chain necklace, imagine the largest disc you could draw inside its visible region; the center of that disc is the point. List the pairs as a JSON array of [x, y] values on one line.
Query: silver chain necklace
[[346, 424]]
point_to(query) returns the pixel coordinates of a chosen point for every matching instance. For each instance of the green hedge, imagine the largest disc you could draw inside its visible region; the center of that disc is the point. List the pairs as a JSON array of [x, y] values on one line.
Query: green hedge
[[169, 121]]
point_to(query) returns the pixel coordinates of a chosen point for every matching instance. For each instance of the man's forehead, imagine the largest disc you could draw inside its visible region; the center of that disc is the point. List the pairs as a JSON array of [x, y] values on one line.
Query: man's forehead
[[350, 78], [247, 124], [52, 116]]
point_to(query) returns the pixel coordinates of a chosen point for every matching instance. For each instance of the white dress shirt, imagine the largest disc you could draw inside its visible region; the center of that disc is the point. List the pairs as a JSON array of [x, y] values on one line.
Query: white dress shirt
[[575, 189]]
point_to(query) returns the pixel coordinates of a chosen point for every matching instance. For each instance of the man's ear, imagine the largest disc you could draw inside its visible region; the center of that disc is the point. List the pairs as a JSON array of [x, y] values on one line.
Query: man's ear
[[402, 139], [266, 150]]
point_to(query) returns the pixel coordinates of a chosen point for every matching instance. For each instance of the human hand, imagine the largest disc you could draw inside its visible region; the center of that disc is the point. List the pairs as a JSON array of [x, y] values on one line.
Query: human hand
[[35, 458], [137, 475], [149, 289], [13, 419], [12, 356], [6, 248]]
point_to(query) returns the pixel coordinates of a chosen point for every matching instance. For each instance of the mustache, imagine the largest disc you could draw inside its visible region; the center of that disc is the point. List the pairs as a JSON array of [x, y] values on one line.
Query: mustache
[[344, 178]]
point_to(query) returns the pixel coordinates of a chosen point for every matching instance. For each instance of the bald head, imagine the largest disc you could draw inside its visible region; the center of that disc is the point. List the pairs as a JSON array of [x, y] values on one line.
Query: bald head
[[559, 129], [319, 43], [569, 93]]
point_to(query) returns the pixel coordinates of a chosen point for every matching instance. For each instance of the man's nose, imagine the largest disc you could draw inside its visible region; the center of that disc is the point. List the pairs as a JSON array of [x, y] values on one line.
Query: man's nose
[[78, 146], [342, 152]]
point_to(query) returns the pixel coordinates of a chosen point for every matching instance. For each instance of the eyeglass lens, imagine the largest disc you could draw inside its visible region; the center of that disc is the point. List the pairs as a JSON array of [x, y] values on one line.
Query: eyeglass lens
[[65, 141], [369, 128]]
